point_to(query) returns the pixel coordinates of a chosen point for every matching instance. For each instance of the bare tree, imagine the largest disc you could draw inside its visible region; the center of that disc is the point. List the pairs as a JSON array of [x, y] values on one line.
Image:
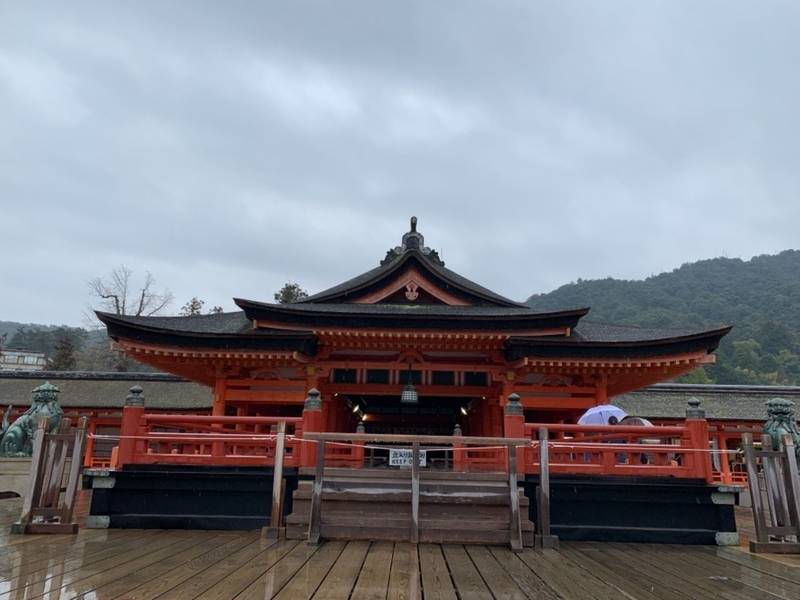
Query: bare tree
[[118, 294]]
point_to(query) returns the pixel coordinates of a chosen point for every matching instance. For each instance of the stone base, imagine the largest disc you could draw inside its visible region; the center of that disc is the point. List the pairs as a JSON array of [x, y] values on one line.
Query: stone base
[[15, 475], [637, 509], [184, 497]]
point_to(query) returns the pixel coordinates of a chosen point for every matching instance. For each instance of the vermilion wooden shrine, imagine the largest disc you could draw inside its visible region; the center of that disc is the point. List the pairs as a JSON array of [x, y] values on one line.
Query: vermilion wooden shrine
[[411, 319], [411, 352]]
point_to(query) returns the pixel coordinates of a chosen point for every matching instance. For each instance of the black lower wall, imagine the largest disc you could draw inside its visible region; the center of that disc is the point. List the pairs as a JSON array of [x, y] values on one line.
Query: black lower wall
[[175, 497], [680, 511]]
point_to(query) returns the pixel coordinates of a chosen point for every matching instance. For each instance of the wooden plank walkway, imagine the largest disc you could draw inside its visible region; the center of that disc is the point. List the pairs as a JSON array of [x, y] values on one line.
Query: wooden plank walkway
[[179, 564]]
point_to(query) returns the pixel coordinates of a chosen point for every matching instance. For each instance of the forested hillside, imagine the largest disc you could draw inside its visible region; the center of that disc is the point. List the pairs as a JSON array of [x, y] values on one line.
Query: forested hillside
[[759, 297], [67, 348]]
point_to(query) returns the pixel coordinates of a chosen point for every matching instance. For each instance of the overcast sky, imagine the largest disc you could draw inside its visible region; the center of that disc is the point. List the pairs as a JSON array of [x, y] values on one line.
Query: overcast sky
[[228, 147]]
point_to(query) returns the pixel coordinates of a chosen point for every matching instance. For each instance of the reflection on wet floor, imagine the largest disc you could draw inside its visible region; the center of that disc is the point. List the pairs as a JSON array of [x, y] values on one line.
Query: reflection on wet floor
[[116, 563]]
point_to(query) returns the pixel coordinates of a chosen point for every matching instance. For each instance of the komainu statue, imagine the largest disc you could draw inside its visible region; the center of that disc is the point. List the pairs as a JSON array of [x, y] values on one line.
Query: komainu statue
[[781, 420], [17, 437]]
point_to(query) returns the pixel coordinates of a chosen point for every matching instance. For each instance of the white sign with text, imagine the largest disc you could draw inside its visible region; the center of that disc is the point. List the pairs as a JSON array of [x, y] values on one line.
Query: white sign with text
[[402, 458]]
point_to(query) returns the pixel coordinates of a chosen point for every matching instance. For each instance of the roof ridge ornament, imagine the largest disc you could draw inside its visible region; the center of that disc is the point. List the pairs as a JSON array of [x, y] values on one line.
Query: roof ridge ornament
[[412, 240]]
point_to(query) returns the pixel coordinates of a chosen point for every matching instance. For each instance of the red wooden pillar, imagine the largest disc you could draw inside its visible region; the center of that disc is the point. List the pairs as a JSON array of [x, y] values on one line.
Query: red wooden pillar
[[514, 424], [724, 463], [312, 421], [698, 434], [601, 391], [131, 421], [218, 407]]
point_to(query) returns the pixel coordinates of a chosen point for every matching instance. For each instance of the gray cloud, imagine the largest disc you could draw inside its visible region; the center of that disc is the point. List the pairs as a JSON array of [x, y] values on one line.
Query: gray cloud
[[229, 147]]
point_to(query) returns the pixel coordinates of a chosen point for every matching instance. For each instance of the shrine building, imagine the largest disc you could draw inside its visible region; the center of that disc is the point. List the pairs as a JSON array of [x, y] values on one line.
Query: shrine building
[[410, 347]]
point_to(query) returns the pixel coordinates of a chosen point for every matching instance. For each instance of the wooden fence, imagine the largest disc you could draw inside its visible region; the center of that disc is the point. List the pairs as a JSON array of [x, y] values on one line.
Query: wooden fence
[[48, 505], [776, 509]]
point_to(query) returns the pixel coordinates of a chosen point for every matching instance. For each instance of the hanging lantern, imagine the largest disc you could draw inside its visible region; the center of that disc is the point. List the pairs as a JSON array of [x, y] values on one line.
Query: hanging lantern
[[409, 394]]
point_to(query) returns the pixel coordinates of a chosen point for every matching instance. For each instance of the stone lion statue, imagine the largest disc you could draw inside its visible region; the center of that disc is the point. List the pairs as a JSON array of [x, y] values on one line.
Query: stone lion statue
[[17, 437], [781, 420]]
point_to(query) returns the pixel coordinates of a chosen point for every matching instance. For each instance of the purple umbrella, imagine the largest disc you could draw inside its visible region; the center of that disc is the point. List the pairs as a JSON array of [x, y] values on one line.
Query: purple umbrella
[[599, 415]]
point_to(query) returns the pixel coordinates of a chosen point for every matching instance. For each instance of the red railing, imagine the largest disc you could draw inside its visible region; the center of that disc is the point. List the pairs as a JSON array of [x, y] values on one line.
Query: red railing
[[615, 450], [206, 440], [670, 451]]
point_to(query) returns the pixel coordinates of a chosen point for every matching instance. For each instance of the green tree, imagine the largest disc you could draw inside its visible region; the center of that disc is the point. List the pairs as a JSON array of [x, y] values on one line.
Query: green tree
[[192, 307], [63, 358], [759, 297], [698, 376], [289, 293]]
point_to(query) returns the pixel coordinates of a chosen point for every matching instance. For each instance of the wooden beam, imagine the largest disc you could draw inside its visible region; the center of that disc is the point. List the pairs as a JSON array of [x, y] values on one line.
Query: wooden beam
[[276, 517], [315, 519], [415, 492]]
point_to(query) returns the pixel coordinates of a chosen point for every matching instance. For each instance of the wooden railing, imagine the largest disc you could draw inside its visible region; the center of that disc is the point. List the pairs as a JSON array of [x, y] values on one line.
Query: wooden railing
[[206, 440], [776, 509], [357, 440], [616, 450], [669, 451], [49, 503]]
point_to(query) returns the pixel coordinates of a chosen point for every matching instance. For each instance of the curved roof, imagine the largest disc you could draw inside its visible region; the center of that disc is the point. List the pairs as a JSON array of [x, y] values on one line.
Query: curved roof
[[310, 316], [412, 250], [449, 279], [599, 340], [291, 327], [222, 330]]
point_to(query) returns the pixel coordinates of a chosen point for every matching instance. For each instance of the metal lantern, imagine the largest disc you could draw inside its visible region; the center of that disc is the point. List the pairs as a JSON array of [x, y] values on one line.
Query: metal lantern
[[409, 394]]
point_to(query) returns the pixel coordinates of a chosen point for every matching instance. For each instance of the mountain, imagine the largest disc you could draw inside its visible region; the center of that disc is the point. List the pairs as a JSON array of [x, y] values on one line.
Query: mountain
[[67, 348], [759, 297]]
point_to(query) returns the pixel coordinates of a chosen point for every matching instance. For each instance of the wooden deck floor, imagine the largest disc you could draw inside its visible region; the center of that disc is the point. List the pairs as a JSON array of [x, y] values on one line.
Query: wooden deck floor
[[104, 564]]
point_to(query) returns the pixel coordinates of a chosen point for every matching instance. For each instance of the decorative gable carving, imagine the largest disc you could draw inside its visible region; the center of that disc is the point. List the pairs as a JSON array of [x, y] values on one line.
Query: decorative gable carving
[[411, 287]]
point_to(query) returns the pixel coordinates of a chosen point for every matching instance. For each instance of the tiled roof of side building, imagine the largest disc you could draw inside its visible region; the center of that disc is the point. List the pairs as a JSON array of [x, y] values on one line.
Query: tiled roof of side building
[[168, 392], [105, 390], [723, 402]]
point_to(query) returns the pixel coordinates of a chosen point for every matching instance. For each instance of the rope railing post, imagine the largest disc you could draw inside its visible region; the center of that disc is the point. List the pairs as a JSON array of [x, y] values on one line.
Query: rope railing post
[[755, 488], [37, 464], [73, 479], [275, 521], [544, 539], [459, 455], [515, 533], [792, 480], [415, 493], [314, 523]]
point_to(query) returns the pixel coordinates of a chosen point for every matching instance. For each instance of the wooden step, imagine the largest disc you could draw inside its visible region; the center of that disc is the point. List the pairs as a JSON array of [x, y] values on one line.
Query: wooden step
[[398, 473], [426, 510], [462, 521], [330, 495], [430, 487], [375, 504], [426, 535]]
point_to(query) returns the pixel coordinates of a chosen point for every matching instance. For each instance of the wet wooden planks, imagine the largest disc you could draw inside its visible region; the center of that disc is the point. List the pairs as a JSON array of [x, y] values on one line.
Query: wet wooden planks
[[180, 564]]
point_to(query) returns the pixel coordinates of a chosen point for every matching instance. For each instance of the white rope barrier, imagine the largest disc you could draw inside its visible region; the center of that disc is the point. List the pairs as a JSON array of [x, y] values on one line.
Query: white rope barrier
[[244, 437]]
